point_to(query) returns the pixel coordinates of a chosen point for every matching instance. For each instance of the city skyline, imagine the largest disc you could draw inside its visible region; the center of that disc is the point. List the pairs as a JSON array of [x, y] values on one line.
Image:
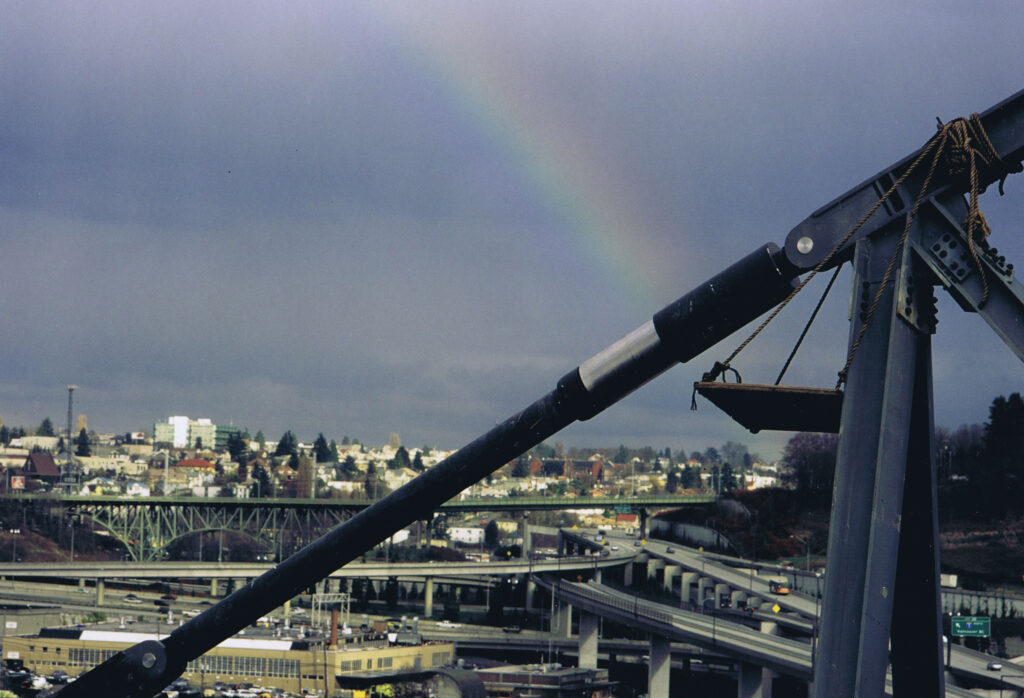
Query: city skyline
[[371, 219]]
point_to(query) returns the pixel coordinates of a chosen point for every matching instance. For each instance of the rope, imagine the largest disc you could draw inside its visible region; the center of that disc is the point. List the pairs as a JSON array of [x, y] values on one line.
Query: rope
[[807, 327], [970, 152]]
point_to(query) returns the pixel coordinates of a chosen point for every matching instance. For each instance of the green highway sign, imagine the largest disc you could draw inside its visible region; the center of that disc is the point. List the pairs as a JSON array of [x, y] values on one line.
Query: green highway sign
[[972, 626]]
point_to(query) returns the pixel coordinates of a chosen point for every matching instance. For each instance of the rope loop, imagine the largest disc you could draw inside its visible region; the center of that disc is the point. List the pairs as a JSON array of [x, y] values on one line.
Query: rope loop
[[964, 147]]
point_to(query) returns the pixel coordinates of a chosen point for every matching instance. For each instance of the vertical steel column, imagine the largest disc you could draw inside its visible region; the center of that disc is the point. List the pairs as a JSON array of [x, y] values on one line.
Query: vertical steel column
[[917, 617], [864, 534]]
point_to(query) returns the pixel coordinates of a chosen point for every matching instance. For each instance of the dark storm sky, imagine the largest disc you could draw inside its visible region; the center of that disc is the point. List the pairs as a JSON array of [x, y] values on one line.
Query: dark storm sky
[[364, 218]]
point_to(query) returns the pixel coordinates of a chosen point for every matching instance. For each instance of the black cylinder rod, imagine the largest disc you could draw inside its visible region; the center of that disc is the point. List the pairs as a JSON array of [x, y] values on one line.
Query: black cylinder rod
[[678, 332]]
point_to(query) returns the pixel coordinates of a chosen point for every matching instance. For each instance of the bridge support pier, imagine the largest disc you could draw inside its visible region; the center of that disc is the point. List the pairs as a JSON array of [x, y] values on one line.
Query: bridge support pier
[[750, 682], [703, 584], [767, 675], [100, 588], [213, 586], [627, 574], [531, 591], [686, 586], [670, 576], [588, 640], [653, 565], [428, 598], [659, 670], [563, 620]]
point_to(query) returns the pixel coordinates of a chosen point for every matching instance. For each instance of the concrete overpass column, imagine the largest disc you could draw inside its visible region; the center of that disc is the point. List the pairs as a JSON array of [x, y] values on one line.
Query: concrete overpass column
[[531, 590], [588, 640], [627, 574], [738, 599], [653, 565], [563, 621], [749, 681], [767, 675], [659, 670], [686, 583], [100, 588], [428, 598], [670, 576], [643, 524], [703, 585], [527, 539], [213, 586], [597, 574]]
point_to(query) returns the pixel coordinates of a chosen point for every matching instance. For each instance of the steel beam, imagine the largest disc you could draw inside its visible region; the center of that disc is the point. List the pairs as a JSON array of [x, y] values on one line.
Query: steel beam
[[887, 391]]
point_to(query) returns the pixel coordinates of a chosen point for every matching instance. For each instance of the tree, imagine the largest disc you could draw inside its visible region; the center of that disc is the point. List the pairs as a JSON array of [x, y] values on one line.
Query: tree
[[235, 445], [734, 453], [491, 534], [394, 441], [622, 455], [288, 445], [348, 468], [999, 471], [401, 459], [689, 479], [262, 487], [261, 440], [199, 443], [810, 462], [46, 428], [82, 447], [321, 450], [521, 468], [417, 462], [711, 456], [729, 481], [5, 435], [333, 448], [672, 482]]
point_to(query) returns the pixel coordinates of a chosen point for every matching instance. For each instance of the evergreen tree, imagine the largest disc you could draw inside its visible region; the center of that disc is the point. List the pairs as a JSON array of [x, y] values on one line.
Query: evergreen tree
[[83, 448], [262, 487], [333, 447], [521, 467], [46, 428], [672, 482], [729, 481], [261, 440], [417, 463], [321, 450], [491, 534], [5, 435], [288, 445]]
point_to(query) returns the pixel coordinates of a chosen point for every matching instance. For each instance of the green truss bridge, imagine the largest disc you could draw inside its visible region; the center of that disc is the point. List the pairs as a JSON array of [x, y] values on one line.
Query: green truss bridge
[[146, 526]]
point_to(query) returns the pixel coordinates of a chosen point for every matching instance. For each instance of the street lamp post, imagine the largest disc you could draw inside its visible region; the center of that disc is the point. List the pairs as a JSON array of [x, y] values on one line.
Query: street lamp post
[[702, 603]]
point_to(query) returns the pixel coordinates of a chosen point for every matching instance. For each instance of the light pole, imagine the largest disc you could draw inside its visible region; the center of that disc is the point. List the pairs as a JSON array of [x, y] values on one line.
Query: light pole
[[702, 603]]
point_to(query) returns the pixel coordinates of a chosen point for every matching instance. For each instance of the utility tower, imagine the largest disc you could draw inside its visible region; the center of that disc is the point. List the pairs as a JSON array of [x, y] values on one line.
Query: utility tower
[[69, 477]]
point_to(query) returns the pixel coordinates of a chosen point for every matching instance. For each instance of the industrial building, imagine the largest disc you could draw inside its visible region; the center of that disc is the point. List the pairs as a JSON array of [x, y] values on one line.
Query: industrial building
[[261, 656]]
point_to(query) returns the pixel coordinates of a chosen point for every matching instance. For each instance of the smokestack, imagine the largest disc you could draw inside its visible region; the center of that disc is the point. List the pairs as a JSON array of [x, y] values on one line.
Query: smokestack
[[334, 628]]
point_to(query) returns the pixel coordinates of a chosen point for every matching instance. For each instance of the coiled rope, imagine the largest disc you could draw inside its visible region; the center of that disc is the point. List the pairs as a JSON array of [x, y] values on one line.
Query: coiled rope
[[968, 151]]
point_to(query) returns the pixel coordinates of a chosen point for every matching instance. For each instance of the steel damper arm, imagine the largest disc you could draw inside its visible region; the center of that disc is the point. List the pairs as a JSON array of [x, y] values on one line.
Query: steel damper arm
[[676, 333]]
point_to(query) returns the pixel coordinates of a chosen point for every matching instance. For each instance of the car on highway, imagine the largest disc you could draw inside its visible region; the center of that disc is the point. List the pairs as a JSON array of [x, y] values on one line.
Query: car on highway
[[994, 666], [448, 624], [132, 598], [511, 629], [670, 549]]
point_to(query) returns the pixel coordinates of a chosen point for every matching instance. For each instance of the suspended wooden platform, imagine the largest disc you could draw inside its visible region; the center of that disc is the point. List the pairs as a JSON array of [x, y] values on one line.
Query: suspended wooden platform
[[776, 407]]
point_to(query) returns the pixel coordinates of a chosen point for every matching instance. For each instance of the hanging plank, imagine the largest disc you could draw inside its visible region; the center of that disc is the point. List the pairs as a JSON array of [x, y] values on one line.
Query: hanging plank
[[776, 407]]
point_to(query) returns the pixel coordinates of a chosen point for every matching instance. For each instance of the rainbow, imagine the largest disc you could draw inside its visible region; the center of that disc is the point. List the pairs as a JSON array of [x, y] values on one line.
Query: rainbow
[[585, 193]]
